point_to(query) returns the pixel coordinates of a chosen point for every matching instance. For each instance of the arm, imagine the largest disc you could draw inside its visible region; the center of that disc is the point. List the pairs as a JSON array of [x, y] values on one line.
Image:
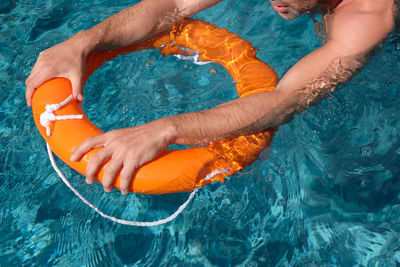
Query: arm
[[131, 25], [140, 22], [304, 84], [352, 37]]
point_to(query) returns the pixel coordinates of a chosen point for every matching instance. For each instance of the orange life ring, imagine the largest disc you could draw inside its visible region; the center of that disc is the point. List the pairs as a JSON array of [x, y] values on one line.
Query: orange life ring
[[173, 170]]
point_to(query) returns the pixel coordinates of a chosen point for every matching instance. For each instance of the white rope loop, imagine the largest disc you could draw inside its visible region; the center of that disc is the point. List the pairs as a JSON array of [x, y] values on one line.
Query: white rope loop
[[121, 221]]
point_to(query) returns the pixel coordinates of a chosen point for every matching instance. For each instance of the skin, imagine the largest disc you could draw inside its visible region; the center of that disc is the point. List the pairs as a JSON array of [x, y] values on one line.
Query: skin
[[354, 28], [291, 10]]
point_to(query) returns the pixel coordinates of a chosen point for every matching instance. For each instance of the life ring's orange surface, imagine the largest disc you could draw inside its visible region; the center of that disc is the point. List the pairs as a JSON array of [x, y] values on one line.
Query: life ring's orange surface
[[177, 170]]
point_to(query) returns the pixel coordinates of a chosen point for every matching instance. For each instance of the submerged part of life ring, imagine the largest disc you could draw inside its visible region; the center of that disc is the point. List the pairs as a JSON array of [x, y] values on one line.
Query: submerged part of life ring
[[173, 170]]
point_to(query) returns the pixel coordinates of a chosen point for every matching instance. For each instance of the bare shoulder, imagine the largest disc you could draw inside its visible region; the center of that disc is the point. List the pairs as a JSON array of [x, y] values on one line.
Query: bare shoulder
[[359, 25]]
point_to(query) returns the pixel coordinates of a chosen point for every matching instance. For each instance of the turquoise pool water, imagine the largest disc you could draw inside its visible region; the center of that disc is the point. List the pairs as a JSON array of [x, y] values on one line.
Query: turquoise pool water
[[327, 195]]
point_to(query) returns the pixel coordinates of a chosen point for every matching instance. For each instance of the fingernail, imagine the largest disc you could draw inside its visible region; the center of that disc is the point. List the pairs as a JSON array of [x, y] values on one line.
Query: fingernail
[[89, 181], [80, 98], [124, 192], [108, 190]]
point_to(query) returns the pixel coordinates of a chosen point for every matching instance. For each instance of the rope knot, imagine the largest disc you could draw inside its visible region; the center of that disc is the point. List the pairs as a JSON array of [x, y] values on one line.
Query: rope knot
[[48, 115]]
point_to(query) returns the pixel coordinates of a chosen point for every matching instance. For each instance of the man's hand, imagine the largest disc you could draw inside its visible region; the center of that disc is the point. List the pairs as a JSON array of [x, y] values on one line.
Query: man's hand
[[125, 149], [67, 59]]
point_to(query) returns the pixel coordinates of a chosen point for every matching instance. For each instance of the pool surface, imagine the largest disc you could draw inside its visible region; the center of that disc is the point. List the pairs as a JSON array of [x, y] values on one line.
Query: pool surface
[[327, 195]]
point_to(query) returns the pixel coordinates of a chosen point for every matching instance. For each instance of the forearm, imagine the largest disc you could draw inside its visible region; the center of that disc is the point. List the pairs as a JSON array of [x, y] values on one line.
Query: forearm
[[258, 112], [128, 26], [250, 114]]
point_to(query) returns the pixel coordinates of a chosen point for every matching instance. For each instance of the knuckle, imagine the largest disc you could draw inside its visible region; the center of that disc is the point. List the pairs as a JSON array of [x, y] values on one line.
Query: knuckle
[[126, 175], [130, 158], [89, 139], [110, 170], [97, 158], [89, 142], [135, 159], [28, 81]]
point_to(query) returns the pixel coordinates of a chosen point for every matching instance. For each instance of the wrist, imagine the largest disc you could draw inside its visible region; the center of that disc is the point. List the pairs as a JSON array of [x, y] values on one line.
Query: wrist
[[169, 130], [85, 42]]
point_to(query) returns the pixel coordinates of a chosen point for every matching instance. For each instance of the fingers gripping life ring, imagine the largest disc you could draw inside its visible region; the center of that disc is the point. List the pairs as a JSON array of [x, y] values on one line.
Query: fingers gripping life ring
[[173, 170]]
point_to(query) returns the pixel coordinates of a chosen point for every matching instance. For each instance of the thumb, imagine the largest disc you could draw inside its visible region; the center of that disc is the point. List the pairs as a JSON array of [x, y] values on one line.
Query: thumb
[[77, 87]]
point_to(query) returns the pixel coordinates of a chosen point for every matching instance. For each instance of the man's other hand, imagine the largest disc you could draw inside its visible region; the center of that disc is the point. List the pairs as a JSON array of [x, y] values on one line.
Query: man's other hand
[[125, 150], [66, 60]]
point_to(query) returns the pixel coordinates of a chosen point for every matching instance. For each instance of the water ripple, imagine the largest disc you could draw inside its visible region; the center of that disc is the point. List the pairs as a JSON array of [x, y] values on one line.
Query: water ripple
[[326, 196]]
